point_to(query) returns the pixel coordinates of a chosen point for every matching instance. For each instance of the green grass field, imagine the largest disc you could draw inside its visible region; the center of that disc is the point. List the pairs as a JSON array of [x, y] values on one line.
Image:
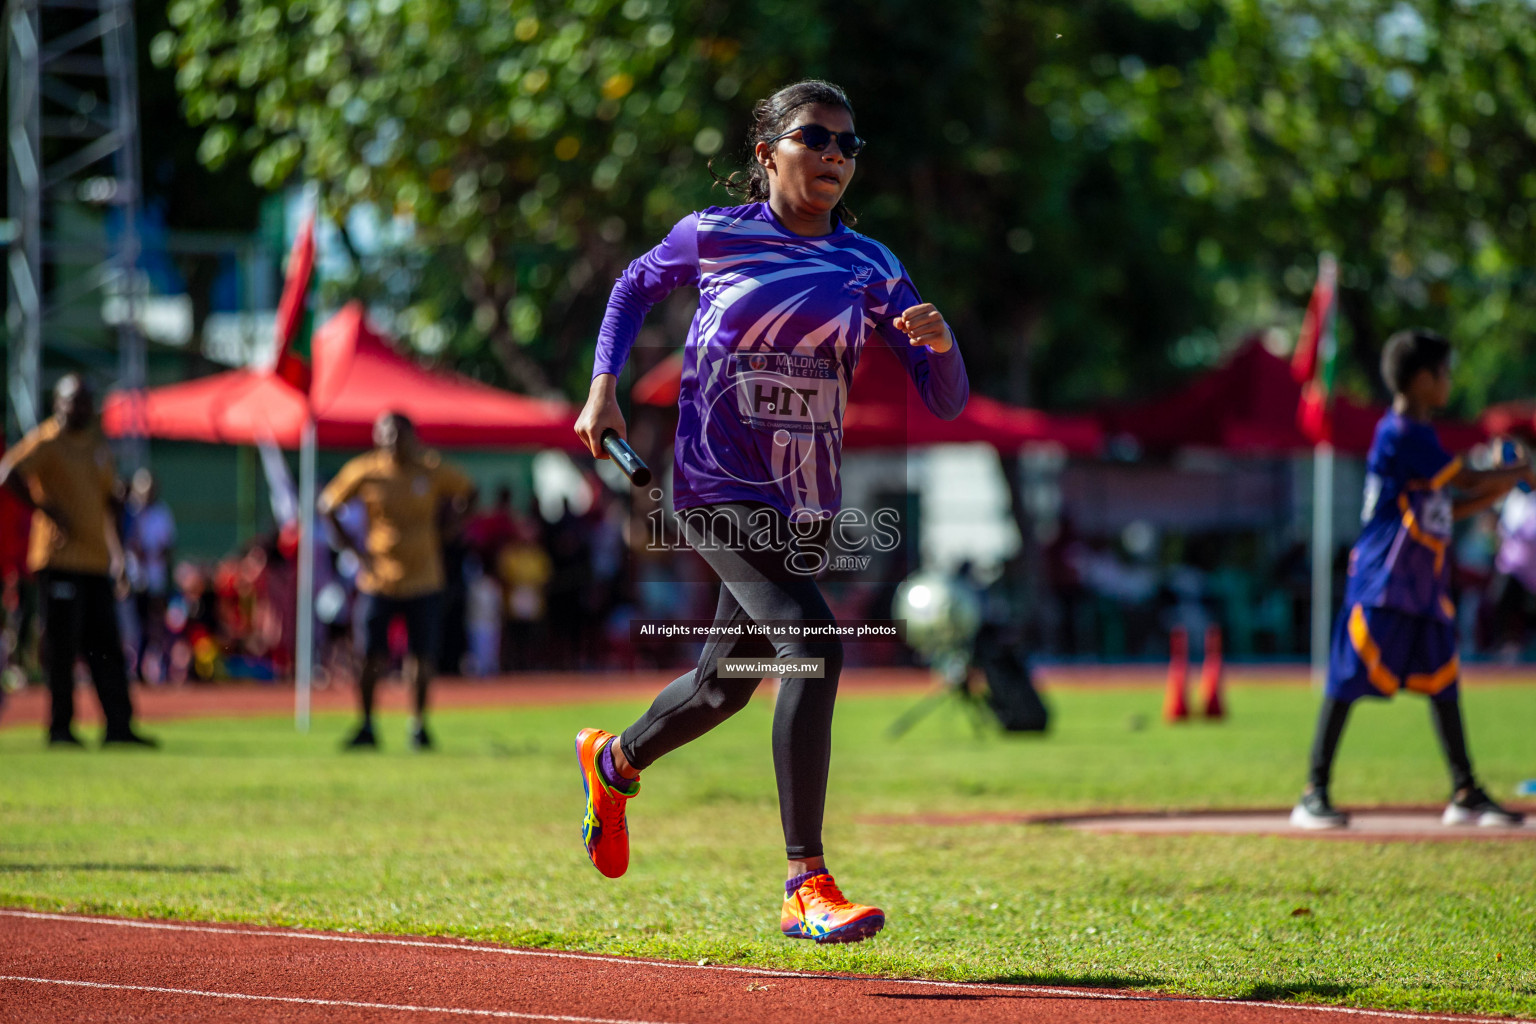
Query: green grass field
[[244, 820]]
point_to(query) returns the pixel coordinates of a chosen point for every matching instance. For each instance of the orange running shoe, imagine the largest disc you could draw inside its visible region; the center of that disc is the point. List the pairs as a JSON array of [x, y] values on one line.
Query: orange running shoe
[[603, 830], [818, 910]]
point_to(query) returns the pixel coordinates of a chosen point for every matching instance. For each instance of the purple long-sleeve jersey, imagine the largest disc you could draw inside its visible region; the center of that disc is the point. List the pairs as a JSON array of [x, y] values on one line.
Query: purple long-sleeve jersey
[[781, 322]]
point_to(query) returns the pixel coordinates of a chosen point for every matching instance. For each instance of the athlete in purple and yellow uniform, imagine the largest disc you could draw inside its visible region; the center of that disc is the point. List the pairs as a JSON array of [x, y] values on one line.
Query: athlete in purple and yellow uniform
[[1398, 627], [1396, 630], [789, 295]]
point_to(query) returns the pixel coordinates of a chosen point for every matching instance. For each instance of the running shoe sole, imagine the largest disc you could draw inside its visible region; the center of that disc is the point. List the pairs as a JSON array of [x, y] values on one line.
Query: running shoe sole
[[853, 931], [1303, 818], [1455, 816]]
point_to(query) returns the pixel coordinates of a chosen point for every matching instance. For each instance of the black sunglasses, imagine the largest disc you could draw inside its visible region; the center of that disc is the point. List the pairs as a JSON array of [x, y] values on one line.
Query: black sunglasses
[[814, 136]]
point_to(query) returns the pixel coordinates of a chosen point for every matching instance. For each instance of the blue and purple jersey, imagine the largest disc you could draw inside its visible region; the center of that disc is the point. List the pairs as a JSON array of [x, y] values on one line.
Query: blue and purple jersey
[[1402, 559], [782, 320]]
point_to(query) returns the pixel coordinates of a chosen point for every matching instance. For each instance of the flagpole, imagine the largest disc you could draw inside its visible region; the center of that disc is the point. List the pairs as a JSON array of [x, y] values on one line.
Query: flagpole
[[1312, 367], [292, 319], [304, 649], [1322, 559]]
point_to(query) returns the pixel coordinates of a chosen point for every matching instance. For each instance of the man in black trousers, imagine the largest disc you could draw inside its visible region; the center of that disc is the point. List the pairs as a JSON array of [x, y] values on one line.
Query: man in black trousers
[[63, 470]]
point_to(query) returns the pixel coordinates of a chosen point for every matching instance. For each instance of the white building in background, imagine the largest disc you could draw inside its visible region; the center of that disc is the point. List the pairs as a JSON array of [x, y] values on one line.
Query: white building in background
[[965, 507]]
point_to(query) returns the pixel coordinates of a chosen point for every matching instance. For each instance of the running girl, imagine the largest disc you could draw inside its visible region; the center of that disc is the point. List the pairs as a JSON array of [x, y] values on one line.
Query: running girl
[[788, 295]]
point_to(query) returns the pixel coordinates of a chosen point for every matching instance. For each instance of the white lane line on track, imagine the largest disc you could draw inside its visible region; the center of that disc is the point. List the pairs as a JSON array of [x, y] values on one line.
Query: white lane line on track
[[762, 972], [351, 1004]]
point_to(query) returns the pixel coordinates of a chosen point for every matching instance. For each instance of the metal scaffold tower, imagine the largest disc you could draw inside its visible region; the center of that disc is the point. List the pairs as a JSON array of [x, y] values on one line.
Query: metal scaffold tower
[[72, 148]]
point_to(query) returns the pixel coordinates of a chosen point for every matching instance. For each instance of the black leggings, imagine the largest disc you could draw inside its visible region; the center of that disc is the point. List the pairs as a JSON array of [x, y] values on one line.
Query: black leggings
[[80, 620], [759, 586], [1446, 713]]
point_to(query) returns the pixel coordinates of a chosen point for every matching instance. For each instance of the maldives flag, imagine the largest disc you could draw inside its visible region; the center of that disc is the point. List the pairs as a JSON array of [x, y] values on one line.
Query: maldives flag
[[1313, 363], [295, 320]]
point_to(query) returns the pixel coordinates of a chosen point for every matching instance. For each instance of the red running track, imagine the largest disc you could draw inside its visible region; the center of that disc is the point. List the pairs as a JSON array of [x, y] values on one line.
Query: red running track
[[231, 700], [164, 703], [57, 967]]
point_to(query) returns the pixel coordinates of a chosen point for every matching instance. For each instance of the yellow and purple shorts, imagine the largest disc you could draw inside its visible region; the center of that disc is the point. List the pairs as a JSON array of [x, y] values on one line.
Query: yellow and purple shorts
[[1379, 651]]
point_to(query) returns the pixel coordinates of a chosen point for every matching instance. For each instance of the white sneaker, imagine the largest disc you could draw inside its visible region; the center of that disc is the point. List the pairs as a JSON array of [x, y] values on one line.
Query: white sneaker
[[1314, 811], [1474, 807]]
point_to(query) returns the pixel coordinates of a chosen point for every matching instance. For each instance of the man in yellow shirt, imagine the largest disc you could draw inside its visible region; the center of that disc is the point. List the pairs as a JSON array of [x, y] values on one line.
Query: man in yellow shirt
[[409, 495], [63, 470]]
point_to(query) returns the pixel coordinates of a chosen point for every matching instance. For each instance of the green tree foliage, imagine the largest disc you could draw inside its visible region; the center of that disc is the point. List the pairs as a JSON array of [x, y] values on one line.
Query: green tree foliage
[[1045, 239], [1397, 134], [506, 145], [536, 151], [1099, 194]]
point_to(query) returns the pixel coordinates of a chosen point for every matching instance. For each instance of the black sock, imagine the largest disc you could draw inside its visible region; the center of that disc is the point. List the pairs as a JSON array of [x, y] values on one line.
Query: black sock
[[365, 692], [1325, 743], [1453, 741]]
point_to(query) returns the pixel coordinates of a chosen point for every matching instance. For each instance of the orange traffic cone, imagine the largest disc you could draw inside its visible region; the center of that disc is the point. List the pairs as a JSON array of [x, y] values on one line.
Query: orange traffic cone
[[1211, 672], [1175, 705]]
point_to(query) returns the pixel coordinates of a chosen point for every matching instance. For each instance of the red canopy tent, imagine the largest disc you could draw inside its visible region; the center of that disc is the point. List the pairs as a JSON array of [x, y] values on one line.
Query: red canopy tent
[[1248, 406], [885, 411], [356, 375], [235, 407]]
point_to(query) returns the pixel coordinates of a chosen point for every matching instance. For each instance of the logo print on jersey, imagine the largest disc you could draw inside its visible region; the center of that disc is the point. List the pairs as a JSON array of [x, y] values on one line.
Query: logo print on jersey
[[781, 390], [1439, 515], [794, 398]]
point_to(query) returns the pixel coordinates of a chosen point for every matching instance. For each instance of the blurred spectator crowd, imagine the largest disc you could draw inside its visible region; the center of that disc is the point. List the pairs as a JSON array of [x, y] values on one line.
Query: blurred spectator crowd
[[524, 593], [1117, 598], [528, 593]]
